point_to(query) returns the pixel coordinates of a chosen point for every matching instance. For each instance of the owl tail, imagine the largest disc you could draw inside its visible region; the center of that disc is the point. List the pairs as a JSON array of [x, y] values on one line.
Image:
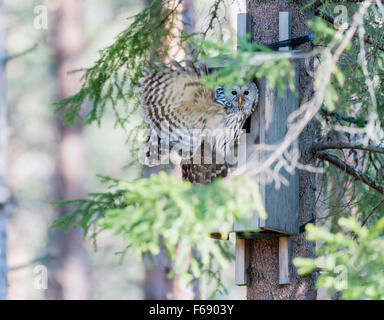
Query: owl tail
[[207, 168], [203, 173]]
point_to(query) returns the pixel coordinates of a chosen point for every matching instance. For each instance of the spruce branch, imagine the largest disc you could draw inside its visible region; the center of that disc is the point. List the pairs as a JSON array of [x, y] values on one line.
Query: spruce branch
[[360, 122], [331, 19], [114, 78], [318, 3]]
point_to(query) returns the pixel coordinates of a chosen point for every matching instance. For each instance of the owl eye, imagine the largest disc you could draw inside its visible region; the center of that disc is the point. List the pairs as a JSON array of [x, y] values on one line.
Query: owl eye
[[246, 92], [234, 92]]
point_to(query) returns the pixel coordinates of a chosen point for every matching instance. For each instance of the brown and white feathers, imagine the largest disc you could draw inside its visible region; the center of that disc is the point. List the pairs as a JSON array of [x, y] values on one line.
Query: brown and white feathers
[[184, 114]]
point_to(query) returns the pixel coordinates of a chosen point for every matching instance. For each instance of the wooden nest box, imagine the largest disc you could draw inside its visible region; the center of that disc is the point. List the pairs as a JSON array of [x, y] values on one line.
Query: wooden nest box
[[268, 126]]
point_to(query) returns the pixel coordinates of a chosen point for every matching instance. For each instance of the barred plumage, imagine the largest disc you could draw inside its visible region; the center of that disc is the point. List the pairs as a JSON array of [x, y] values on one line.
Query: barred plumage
[[192, 118]]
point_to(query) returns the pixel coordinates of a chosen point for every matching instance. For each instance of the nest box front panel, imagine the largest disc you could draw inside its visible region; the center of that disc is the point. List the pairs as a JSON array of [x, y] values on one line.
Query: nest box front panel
[[269, 126]]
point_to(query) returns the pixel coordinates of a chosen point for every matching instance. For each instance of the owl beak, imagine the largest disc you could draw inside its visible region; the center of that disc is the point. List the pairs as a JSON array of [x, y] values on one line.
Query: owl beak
[[240, 100]]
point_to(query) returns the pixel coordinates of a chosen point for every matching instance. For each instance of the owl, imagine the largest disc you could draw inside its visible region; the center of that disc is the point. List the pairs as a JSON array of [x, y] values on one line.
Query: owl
[[199, 122]]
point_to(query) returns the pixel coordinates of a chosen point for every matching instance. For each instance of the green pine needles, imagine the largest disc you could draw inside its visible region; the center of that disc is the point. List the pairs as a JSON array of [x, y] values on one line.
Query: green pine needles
[[350, 262], [113, 79], [161, 212], [158, 212], [114, 76]]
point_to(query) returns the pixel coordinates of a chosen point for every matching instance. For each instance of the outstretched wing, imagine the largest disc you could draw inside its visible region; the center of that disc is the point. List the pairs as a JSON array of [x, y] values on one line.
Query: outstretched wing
[[177, 105]]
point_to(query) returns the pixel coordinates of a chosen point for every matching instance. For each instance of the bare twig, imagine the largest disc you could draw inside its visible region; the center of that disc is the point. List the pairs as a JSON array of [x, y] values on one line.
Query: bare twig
[[308, 110], [342, 145], [372, 211], [373, 118], [213, 14], [41, 259], [10, 57], [365, 178], [171, 12]]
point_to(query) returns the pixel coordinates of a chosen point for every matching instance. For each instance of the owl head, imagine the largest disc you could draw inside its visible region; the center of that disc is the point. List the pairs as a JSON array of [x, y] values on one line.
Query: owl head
[[243, 98]]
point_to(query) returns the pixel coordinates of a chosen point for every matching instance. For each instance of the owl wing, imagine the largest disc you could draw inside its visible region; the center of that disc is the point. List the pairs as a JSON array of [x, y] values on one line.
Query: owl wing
[[178, 105], [222, 99]]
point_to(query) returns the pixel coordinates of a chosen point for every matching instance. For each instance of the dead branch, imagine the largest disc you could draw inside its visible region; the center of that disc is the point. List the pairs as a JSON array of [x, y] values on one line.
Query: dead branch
[[171, 12], [38, 260], [308, 110], [358, 175], [213, 14], [342, 145], [10, 57], [372, 211]]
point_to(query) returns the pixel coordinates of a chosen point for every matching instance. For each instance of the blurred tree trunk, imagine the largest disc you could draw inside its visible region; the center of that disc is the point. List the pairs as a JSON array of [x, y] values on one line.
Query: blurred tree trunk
[[4, 192], [157, 285], [264, 264], [69, 276]]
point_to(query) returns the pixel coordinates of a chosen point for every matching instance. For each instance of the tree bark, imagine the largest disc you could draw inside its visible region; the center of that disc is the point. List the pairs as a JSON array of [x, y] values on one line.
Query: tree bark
[[69, 276], [4, 192], [264, 253]]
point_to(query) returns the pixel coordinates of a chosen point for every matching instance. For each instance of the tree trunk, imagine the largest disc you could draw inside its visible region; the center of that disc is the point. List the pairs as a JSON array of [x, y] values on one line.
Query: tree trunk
[[69, 277], [264, 253], [157, 285], [4, 192]]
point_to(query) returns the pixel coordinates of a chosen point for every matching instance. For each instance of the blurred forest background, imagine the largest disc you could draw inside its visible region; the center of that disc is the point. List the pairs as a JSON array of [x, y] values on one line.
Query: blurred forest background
[[49, 161], [41, 41]]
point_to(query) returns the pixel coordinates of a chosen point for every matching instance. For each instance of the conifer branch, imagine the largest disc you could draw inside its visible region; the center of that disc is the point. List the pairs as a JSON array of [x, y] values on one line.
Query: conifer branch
[[358, 121], [319, 3], [331, 19]]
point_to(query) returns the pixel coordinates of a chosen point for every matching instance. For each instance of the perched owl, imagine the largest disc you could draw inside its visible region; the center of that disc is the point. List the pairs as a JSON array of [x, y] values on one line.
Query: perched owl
[[201, 123]]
